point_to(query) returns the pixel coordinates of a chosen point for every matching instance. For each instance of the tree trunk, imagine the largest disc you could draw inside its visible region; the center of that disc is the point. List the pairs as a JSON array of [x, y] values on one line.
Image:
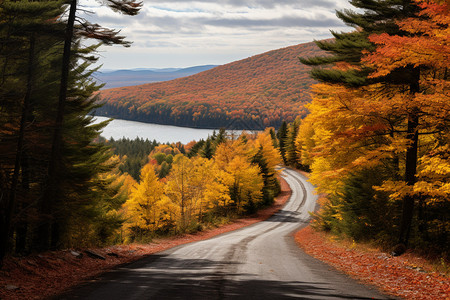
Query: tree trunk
[[6, 226], [55, 163], [22, 223], [411, 163]]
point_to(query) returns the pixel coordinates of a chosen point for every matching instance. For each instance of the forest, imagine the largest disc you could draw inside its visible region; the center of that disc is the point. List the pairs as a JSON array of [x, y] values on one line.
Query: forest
[[54, 181], [375, 137], [251, 94], [188, 188]]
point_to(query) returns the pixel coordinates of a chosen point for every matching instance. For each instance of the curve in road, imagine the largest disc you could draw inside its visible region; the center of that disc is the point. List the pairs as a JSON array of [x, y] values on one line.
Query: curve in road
[[260, 261]]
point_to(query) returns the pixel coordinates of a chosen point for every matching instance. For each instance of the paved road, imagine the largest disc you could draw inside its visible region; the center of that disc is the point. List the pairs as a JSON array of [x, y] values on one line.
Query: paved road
[[256, 262]]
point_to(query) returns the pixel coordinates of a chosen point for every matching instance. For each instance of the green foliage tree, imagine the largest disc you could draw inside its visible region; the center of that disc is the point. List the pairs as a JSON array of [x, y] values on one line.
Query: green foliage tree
[[281, 135], [56, 173]]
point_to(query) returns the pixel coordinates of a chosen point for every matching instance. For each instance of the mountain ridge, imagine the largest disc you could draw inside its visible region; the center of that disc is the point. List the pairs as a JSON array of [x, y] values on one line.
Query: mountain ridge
[[137, 76], [251, 93]]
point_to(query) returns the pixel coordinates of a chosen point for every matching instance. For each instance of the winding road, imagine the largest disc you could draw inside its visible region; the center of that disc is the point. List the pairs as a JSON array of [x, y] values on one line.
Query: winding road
[[260, 261]]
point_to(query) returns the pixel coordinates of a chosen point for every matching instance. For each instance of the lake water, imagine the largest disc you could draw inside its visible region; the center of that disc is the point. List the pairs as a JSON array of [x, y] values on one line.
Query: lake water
[[161, 133]]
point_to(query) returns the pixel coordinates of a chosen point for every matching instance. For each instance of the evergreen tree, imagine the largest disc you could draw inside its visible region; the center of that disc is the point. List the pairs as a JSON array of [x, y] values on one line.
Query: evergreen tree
[[56, 163], [52, 174], [281, 135], [27, 48], [207, 150], [220, 137], [347, 50], [290, 149]]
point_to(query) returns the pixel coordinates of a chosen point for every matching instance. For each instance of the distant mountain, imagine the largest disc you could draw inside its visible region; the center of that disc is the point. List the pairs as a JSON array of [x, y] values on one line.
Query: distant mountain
[[252, 93], [120, 78]]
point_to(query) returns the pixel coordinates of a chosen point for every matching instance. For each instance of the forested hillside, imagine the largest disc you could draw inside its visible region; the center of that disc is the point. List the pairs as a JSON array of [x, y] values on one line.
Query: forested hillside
[[253, 93]]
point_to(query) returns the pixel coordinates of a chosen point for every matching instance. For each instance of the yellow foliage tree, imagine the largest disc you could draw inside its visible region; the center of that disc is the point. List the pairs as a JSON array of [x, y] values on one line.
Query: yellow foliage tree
[[181, 190], [145, 207], [242, 177]]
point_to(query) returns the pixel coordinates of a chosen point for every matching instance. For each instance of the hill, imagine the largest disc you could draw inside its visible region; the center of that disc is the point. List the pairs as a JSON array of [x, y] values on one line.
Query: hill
[[120, 78], [252, 93]]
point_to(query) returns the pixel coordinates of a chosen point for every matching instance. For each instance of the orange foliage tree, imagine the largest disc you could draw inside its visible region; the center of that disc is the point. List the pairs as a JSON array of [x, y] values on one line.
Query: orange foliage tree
[[400, 119]]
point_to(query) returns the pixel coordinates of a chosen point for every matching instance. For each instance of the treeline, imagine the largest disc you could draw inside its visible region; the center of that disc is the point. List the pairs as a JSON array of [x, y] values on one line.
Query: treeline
[[377, 136], [214, 181], [251, 94], [54, 191]]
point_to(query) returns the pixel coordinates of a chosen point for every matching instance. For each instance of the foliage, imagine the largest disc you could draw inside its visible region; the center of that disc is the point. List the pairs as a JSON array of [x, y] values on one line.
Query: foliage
[[59, 188], [395, 125], [253, 93], [133, 153], [238, 178]]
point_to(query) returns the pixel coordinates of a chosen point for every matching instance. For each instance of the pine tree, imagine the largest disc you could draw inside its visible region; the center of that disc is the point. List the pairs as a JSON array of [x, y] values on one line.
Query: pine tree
[[207, 150], [347, 51], [27, 40], [55, 168], [281, 135]]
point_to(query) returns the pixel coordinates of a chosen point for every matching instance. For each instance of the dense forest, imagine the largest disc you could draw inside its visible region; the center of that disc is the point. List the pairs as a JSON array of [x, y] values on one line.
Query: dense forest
[[377, 136], [54, 190], [185, 188], [376, 139], [253, 93]]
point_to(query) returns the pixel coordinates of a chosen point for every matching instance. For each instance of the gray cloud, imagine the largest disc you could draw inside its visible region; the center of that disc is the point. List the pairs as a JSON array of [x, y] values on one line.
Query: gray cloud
[[285, 21], [182, 33], [260, 3]]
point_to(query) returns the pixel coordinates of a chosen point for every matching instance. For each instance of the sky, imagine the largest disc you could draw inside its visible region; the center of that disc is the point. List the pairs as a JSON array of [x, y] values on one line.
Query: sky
[[182, 33]]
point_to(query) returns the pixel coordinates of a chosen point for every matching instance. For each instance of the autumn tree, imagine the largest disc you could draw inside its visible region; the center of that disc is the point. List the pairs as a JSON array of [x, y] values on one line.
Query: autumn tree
[[267, 158], [370, 111], [145, 205], [244, 179], [425, 51]]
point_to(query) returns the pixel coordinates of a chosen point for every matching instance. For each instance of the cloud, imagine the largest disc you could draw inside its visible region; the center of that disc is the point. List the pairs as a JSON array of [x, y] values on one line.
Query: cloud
[[283, 21], [212, 30], [260, 3]]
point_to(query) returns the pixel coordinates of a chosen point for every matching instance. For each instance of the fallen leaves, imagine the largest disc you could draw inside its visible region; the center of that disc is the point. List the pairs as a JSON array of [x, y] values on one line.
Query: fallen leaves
[[399, 276]]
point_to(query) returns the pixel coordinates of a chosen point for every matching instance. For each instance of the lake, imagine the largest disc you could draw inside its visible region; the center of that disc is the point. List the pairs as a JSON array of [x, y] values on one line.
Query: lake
[[161, 133]]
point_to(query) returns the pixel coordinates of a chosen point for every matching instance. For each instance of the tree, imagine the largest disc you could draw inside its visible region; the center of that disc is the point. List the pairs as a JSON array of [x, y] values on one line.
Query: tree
[[106, 36], [145, 204], [426, 52], [180, 191], [370, 109], [281, 135], [290, 151], [244, 179], [27, 39], [207, 150], [267, 158]]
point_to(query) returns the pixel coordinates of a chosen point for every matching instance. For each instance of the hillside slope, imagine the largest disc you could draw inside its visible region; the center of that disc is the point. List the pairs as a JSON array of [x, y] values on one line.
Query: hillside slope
[[252, 93]]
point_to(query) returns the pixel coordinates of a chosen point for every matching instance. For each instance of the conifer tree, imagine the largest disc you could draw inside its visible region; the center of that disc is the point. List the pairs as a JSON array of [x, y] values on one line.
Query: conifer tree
[[347, 53], [56, 167], [281, 135], [207, 150], [26, 50]]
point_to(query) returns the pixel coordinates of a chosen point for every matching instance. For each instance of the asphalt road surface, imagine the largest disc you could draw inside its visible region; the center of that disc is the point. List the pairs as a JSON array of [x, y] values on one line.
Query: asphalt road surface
[[260, 261]]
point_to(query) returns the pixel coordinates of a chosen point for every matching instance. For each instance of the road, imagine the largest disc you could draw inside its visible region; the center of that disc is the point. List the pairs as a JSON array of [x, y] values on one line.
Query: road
[[260, 261]]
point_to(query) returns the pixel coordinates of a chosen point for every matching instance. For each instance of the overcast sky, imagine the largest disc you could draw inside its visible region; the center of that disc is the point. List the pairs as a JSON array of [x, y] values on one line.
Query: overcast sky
[[177, 33]]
